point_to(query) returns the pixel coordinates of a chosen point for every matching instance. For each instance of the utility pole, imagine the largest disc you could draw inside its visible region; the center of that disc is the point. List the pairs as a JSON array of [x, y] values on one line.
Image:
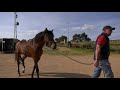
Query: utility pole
[[15, 24], [68, 31]]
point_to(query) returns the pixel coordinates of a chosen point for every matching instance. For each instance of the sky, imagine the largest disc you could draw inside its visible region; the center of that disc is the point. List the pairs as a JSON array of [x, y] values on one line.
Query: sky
[[32, 23]]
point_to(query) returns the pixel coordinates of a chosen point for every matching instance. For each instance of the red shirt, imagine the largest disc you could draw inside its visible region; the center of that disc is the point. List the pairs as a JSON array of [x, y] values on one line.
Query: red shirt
[[101, 40]]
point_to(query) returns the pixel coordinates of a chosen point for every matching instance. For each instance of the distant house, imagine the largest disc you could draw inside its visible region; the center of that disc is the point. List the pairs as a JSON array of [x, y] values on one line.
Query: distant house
[[8, 44]]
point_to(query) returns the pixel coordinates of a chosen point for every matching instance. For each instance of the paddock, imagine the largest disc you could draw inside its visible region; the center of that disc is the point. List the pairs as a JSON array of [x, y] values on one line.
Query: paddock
[[55, 66]]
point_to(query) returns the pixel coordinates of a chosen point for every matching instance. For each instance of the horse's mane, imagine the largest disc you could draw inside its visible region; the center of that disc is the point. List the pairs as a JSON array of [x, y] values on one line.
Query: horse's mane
[[39, 36], [24, 40]]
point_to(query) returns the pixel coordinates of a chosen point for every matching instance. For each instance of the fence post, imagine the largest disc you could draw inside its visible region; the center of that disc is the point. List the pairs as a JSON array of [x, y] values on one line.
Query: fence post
[[2, 45]]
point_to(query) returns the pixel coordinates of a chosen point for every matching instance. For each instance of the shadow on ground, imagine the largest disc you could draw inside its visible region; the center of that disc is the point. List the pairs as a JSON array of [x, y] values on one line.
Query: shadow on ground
[[62, 75], [65, 75]]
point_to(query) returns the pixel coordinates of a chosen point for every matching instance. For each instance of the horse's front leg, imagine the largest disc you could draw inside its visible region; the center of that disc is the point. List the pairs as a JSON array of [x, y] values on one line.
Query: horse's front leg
[[36, 59], [36, 67], [37, 71], [33, 71]]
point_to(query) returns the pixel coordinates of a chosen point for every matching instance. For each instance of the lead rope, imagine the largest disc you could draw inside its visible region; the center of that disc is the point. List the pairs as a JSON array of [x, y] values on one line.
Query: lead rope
[[69, 57]]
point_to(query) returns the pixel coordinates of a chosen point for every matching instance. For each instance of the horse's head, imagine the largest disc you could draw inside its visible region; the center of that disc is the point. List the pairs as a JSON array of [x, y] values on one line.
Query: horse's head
[[49, 39]]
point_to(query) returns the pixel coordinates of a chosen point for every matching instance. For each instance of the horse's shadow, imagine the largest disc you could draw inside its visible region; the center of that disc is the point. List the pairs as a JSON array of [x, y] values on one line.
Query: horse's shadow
[[63, 75]]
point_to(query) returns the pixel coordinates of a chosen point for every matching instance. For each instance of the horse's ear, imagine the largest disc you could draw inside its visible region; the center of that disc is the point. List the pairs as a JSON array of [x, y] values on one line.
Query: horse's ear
[[52, 30], [46, 29]]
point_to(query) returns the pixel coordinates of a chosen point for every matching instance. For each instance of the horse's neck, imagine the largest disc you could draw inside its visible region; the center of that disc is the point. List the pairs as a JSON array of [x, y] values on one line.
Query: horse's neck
[[40, 44], [39, 40]]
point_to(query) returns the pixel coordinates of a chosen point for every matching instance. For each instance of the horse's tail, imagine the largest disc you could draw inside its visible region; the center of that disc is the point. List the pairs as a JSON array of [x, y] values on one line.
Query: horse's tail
[[17, 53], [16, 56]]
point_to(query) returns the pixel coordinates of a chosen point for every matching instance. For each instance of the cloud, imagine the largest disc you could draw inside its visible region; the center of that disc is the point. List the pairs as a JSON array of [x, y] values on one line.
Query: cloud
[[27, 34], [75, 28], [64, 29], [29, 31], [87, 27], [6, 27], [6, 35], [6, 31], [32, 23], [83, 27]]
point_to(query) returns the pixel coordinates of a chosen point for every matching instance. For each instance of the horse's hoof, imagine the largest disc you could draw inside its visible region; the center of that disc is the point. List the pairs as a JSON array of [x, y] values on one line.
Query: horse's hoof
[[19, 75], [23, 71]]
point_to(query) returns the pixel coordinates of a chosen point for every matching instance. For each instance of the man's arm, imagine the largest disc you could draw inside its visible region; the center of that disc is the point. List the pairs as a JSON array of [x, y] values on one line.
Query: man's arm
[[101, 41], [97, 52], [97, 55]]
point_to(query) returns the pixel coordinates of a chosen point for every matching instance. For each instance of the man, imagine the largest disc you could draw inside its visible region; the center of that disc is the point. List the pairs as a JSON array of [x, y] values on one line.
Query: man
[[101, 54]]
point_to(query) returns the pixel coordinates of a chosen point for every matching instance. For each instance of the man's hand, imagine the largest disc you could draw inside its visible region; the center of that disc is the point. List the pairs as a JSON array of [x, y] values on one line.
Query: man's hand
[[96, 63]]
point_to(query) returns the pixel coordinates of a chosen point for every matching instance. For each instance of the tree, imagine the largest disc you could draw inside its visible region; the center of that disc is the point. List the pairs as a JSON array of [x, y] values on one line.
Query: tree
[[77, 37], [83, 37], [88, 39], [80, 37], [62, 38]]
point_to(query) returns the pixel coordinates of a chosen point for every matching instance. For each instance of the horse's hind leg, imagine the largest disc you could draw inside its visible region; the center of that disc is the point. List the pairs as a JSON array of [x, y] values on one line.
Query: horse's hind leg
[[18, 63], [18, 66], [22, 60]]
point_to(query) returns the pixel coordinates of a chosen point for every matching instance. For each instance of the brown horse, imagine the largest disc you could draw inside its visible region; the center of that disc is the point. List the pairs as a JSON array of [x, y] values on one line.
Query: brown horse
[[33, 48]]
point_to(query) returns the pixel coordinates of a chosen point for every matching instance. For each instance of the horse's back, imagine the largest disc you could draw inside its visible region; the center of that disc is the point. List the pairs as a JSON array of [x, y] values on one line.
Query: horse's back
[[21, 45], [24, 47]]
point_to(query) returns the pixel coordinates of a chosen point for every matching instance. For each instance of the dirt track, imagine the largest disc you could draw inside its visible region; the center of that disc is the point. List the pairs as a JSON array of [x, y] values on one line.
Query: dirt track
[[55, 67]]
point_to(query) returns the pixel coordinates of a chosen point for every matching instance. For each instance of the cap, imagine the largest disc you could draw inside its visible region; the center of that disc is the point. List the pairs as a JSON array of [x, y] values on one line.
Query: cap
[[108, 27]]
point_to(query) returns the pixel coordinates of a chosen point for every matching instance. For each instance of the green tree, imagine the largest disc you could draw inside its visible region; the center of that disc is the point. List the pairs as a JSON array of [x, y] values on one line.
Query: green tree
[[80, 37], [62, 38], [77, 37]]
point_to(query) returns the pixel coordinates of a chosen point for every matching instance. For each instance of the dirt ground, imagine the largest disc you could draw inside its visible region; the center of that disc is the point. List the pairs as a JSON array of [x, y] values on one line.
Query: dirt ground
[[55, 67]]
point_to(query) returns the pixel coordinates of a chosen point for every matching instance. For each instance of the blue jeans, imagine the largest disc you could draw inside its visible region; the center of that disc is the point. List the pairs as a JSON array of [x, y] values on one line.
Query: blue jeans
[[105, 66]]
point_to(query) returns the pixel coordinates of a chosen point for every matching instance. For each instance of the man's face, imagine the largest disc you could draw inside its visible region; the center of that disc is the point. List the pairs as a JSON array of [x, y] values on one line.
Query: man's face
[[108, 32]]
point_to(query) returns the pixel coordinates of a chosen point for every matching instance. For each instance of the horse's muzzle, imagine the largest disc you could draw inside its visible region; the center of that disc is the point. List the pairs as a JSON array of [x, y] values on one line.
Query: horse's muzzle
[[54, 45], [51, 44]]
